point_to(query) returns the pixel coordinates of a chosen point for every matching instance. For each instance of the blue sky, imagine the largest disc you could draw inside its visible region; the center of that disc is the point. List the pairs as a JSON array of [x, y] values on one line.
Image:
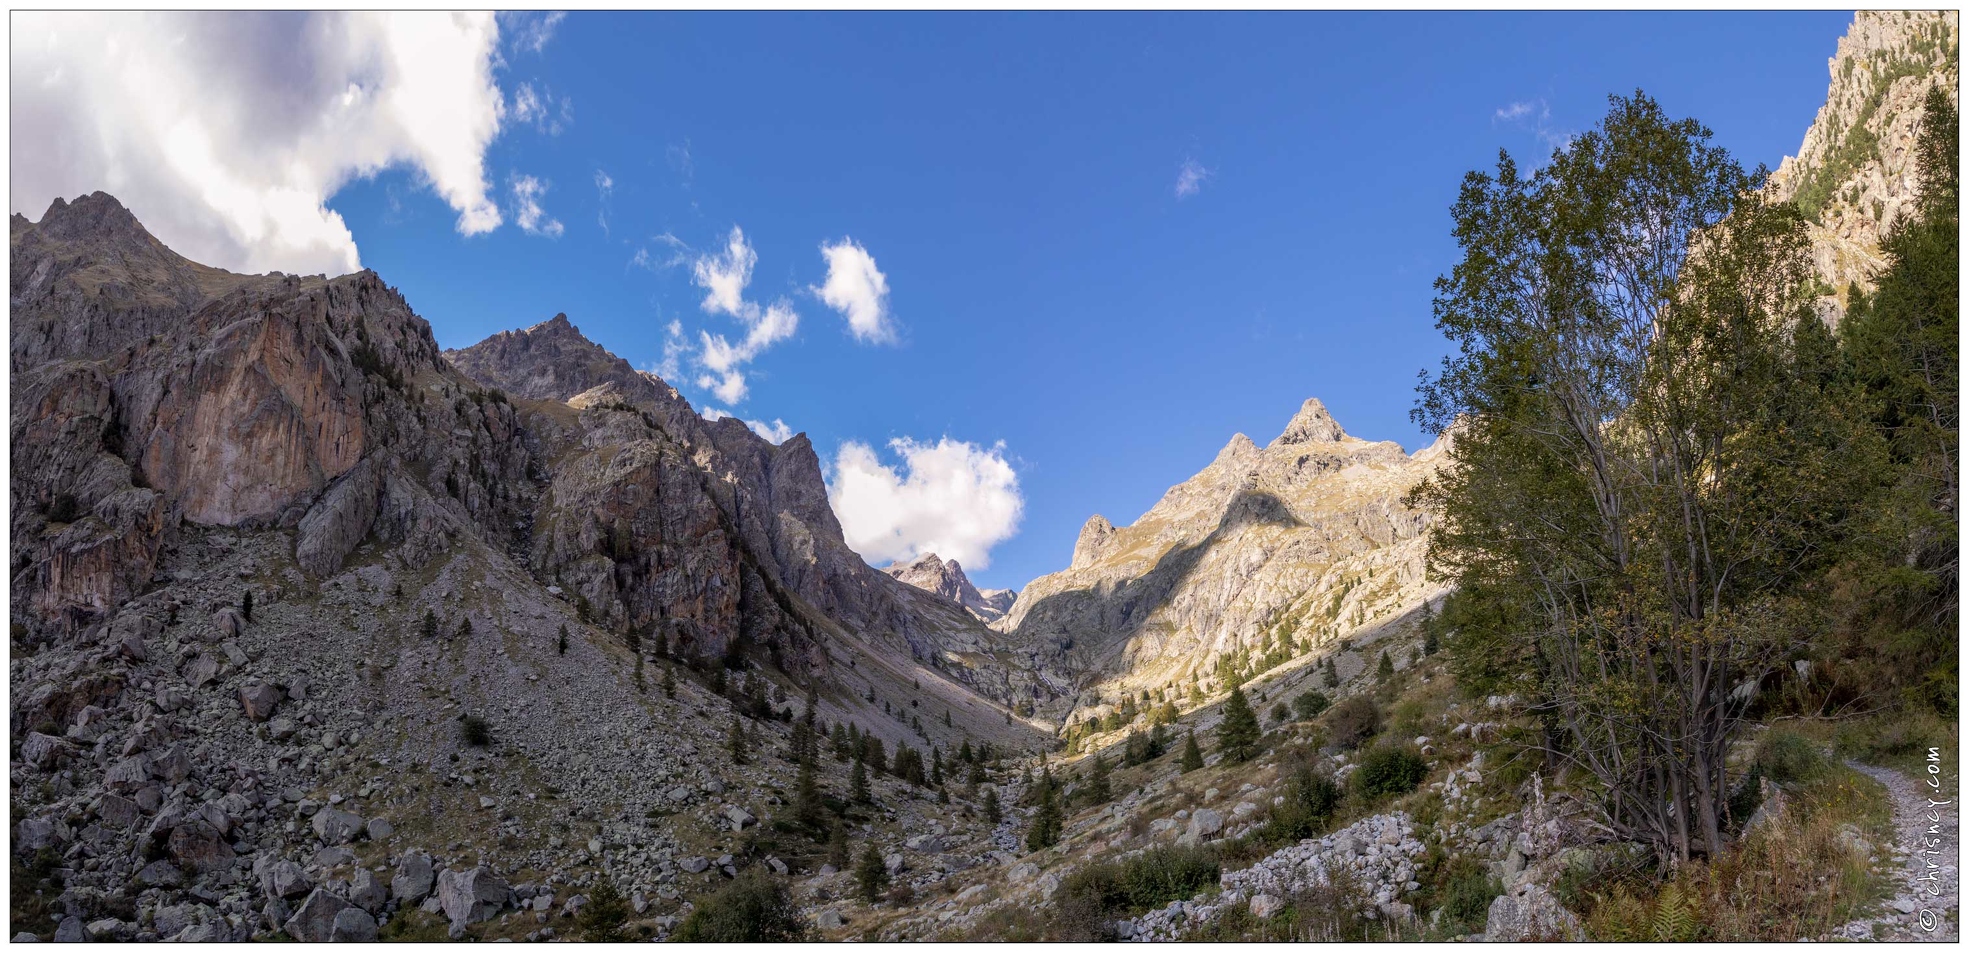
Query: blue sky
[[1014, 177]]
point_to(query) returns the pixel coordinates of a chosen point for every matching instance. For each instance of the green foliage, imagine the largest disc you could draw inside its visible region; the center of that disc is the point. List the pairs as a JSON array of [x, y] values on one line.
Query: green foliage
[[1389, 770], [246, 605], [871, 876], [1786, 757], [1192, 755], [1310, 705], [1353, 721], [430, 627], [1143, 882], [1238, 733], [736, 742], [858, 783], [604, 915], [560, 641], [1385, 669], [1465, 896], [750, 909], [474, 731], [1311, 799], [992, 812], [1046, 821]]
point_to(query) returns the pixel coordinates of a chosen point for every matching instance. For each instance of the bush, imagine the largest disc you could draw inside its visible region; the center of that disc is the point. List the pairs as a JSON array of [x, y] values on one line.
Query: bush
[[603, 916], [1789, 758], [475, 731], [751, 909], [1310, 705], [63, 508], [1143, 882], [1354, 721], [1466, 896], [1389, 770], [1311, 798]]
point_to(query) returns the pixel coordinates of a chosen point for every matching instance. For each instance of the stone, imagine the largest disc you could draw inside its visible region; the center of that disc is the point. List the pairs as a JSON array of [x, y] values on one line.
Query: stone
[[353, 926], [380, 829], [414, 877], [281, 878], [739, 817], [70, 931], [366, 890], [694, 865], [315, 922], [336, 826], [1264, 905], [198, 845], [1532, 913], [830, 920], [258, 700], [118, 811], [471, 896], [160, 873], [1204, 823], [42, 750]]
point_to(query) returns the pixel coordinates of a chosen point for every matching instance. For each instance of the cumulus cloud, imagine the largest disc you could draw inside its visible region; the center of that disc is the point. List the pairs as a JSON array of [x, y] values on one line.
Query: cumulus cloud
[[532, 219], [1190, 178], [226, 133], [952, 498], [774, 433], [857, 289], [724, 277]]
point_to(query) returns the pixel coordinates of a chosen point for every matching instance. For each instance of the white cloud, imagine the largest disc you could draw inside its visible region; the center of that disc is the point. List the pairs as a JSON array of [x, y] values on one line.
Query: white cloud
[[226, 133], [1517, 111], [1190, 178], [724, 276], [532, 31], [953, 498], [532, 219], [857, 289], [1536, 117], [541, 110], [605, 186], [774, 433]]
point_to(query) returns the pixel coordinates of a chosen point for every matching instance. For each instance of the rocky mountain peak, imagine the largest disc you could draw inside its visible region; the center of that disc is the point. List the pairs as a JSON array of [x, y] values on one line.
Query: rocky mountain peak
[[1093, 534], [97, 215], [1312, 424], [946, 578]]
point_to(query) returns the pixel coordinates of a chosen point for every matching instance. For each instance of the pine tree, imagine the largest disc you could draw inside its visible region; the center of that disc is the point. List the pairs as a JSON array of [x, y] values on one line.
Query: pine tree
[[718, 680], [1385, 669], [669, 682], [1330, 678], [964, 752], [1237, 735], [992, 812], [1192, 755], [858, 784], [837, 846], [1045, 831], [561, 642], [246, 605], [430, 628], [736, 740], [871, 875], [1099, 790], [936, 767], [465, 629], [839, 739], [808, 810]]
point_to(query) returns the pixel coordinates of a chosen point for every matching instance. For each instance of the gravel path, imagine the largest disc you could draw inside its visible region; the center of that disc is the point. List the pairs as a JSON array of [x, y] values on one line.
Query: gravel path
[[1925, 906]]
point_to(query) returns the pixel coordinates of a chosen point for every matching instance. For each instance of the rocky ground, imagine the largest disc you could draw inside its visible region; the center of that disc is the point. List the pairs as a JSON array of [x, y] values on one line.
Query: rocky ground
[[1927, 850]]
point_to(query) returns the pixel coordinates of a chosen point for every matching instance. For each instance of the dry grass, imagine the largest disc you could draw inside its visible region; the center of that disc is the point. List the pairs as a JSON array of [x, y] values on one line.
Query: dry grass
[[1796, 878]]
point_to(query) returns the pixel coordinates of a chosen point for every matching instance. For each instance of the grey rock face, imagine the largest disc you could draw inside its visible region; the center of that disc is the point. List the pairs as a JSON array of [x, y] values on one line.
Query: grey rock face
[[259, 700], [471, 896], [281, 878], [1531, 913], [335, 826], [414, 877], [316, 921]]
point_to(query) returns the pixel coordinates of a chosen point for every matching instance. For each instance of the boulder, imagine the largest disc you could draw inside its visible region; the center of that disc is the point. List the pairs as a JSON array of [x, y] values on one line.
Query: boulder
[[316, 920], [118, 811], [1531, 912], [1264, 905], [1205, 823], [695, 865], [366, 891], [830, 920], [739, 817], [414, 877], [380, 829], [353, 925], [42, 750], [258, 700], [199, 846], [471, 896], [280, 878], [336, 826]]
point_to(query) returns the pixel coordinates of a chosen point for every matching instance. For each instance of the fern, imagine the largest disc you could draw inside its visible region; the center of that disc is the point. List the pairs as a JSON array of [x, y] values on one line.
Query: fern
[[1675, 919]]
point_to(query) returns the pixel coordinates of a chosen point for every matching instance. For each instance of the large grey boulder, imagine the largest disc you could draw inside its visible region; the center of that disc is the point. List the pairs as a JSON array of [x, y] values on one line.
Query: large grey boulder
[[366, 891], [315, 921], [258, 700], [353, 925], [197, 845], [1531, 912], [280, 878], [471, 896], [1204, 823], [414, 877], [336, 826]]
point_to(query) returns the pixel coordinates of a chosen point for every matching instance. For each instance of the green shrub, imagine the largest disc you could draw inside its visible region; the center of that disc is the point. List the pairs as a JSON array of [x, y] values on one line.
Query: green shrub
[[1310, 705], [475, 731], [1311, 798], [1465, 897], [1389, 770], [751, 909], [1143, 882], [1786, 757], [1353, 721], [603, 917]]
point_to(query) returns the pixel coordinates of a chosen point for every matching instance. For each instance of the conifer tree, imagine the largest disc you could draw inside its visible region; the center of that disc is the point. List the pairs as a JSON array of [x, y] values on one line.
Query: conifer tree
[[736, 741], [871, 875], [1045, 831], [1237, 735], [1385, 669], [858, 784], [465, 629], [430, 627], [1099, 790], [246, 605], [1192, 755], [560, 642], [808, 810], [669, 682], [1330, 676], [837, 846], [992, 812]]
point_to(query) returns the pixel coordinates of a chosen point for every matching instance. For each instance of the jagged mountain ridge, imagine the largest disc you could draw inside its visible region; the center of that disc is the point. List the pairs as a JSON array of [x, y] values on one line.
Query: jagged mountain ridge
[[1306, 538], [946, 578], [1854, 176]]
